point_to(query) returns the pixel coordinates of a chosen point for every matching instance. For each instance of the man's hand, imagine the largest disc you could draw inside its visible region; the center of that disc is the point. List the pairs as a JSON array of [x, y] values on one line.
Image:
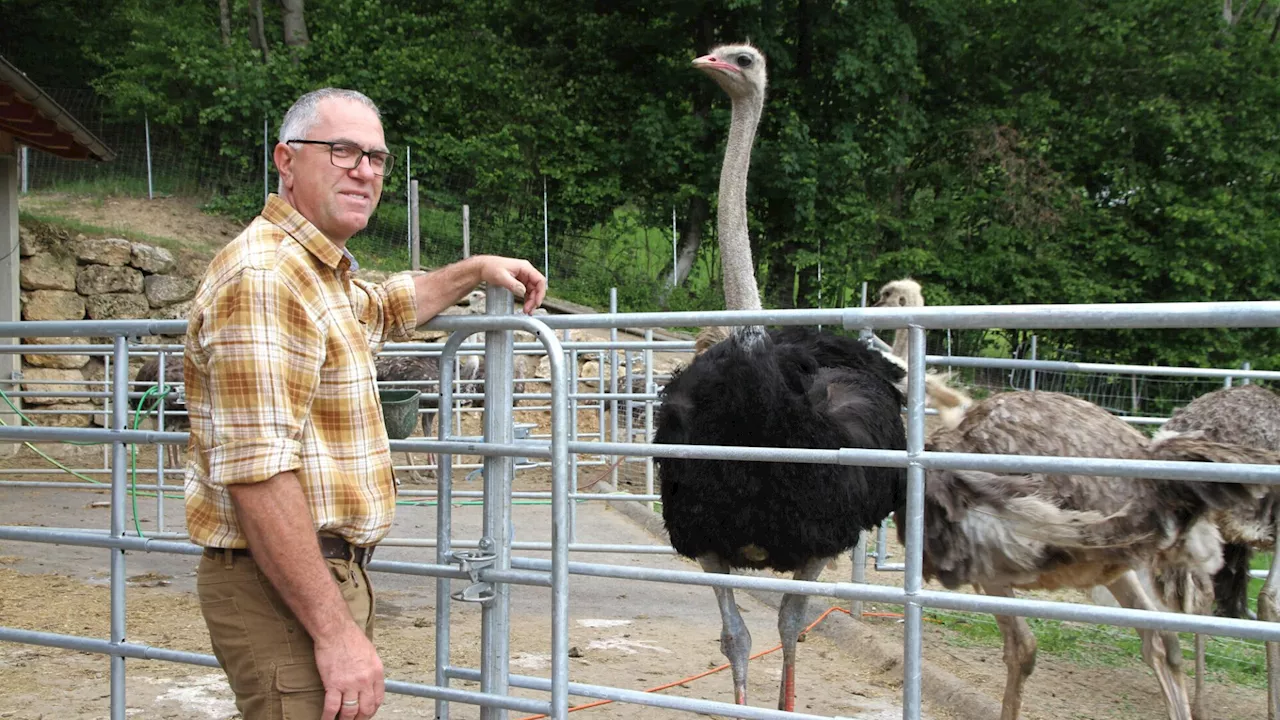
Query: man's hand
[[352, 674], [518, 276]]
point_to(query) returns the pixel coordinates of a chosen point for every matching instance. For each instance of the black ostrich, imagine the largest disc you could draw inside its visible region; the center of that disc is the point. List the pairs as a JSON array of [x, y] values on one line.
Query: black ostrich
[[783, 388], [791, 388]]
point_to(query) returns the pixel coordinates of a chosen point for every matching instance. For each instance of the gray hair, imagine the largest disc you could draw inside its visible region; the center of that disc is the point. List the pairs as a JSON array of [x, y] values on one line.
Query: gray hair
[[302, 116]]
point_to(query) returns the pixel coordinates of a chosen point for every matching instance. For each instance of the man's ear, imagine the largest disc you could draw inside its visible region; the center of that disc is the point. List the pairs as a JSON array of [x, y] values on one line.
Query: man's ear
[[283, 156]]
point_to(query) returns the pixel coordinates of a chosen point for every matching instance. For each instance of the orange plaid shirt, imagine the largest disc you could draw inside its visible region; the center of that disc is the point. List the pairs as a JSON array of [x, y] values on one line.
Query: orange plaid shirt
[[279, 376]]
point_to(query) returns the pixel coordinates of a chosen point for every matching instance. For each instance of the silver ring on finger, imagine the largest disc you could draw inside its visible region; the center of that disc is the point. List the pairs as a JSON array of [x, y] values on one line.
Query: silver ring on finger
[[350, 703]]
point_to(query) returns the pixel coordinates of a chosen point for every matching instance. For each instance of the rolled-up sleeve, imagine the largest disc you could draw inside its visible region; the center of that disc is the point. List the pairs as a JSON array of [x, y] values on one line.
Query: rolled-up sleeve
[[388, 311], [264, 355]]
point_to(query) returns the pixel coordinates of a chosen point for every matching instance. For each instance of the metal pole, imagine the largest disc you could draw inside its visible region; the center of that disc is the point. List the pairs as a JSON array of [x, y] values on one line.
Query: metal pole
[[415, 228], [119, 409], [409, 192], [266, 159], [25, 155], [146, 129], [160, 449], [495, 618], [546, 232], [1247, 380], [675, 246], [1032, 382], [466, 231], [913, 580], [859, 571], [648, 414], [573, 436], [613, 385], [444, 516], [864, 333]]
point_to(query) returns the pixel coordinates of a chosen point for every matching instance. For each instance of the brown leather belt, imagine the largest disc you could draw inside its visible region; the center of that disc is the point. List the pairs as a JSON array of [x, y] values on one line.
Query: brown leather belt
[[331, 546]]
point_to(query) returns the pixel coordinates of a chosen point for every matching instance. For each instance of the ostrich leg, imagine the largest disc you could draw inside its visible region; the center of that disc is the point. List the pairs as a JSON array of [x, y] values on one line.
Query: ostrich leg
[[1157, 652], [735, 641], [1269, 610], [1019, 654], [790, 622]]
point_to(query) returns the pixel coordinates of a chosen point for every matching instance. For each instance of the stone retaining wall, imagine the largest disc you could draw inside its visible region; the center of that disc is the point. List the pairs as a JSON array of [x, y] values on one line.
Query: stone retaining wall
[[74, 277]]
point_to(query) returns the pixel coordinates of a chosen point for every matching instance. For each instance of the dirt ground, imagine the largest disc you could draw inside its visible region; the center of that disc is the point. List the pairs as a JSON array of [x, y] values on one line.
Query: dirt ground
[[632, 635]]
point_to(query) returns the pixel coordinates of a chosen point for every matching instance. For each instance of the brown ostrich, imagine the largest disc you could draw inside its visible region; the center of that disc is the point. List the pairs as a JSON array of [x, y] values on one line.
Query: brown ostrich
[[1047, 531], [1245, 415]]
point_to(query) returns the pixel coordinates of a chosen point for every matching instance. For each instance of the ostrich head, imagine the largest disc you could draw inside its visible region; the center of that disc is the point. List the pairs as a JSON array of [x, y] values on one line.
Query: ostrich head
[[738, 69], [900, 293]]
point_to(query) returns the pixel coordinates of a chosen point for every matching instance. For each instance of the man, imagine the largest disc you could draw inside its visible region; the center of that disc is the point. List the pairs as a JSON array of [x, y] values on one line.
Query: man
[[289, 485]]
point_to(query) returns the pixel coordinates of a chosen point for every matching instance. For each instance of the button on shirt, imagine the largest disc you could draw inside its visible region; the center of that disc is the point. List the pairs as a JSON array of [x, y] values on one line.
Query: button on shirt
[[280, 377]]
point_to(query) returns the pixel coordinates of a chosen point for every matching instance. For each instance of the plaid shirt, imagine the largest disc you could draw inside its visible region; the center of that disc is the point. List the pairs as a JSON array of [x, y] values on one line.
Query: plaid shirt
[[279, 376]]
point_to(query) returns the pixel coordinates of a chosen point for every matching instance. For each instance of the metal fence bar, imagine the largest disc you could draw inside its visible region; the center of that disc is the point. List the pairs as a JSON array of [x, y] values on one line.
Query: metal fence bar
[[913, 640], [495, 614], [119, 411]]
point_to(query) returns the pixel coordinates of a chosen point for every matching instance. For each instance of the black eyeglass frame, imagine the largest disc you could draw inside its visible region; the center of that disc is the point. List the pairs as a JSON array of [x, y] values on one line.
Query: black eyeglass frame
[[387, 158]]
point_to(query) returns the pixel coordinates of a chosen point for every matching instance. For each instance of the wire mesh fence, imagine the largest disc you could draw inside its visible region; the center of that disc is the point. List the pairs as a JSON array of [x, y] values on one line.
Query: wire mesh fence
[[457, 214]]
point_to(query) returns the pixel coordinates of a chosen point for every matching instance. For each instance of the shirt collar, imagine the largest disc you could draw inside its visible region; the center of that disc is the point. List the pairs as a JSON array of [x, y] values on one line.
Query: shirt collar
[[281, 214]]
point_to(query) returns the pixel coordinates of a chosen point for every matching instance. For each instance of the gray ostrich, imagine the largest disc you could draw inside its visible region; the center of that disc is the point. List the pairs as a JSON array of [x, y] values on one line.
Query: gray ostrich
[[950, 402], [422, 373], [1245, 415], [1045, 531], [801, 388]]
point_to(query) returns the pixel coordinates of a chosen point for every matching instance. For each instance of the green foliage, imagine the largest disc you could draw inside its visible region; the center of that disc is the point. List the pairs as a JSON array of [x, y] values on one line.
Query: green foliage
[[999, 151]]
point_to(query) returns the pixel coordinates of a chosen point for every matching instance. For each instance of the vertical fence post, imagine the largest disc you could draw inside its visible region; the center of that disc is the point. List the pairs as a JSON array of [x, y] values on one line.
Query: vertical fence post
[[1032, 382], [409, 192], [146, 131], [546, 232], [613, 386], [119, 409], [466, 231], [415, 228], [913, 580], [865, 333], [25, 168], [1247, 381], [266, 159], [648, 415], [495, 617], [675, 246]]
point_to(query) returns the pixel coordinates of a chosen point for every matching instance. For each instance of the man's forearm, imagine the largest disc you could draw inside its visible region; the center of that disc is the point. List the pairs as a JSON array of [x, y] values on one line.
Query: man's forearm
[[282, 538], [442, 288]]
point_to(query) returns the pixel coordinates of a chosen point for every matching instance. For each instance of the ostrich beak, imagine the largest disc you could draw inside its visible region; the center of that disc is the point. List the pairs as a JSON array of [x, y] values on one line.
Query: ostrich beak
[[711, 61]]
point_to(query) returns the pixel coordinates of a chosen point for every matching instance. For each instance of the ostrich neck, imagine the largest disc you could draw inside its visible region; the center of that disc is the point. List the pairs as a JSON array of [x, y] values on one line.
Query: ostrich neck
[[900, 343], [740, 292]]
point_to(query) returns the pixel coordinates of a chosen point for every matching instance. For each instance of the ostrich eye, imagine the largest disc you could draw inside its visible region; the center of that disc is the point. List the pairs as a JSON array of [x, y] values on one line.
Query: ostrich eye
[[744, 61]]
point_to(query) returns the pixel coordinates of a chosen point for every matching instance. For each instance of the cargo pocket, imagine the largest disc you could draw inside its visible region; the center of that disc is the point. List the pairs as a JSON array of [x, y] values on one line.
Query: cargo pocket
[[301, 691], [231, 644]]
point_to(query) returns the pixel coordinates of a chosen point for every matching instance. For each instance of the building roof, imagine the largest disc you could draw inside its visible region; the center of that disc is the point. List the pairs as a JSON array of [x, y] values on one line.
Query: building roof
[[34, 119]]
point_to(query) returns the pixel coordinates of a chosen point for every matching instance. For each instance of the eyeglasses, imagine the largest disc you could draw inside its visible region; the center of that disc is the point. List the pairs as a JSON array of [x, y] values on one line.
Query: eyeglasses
[[348, 156]]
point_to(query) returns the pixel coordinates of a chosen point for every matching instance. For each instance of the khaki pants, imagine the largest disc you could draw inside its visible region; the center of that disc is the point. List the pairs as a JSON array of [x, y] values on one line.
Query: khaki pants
[[267, 655]]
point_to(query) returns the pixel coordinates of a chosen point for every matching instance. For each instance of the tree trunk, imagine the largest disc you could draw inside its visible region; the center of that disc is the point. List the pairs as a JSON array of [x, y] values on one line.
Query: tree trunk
[[224, 18], [258, 30], [691, 238], [295, 23]]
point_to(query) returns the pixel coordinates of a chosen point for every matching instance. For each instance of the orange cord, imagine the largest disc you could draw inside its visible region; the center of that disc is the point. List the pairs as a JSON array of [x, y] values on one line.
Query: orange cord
[[715, 670]]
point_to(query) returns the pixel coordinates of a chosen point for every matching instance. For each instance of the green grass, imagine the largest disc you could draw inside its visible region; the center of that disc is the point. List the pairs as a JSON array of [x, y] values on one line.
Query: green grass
[[72, 225], [1228, 660]]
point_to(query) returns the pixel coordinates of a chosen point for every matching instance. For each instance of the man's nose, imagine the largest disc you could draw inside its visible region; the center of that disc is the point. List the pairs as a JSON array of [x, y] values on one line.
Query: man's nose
[[364, 168]]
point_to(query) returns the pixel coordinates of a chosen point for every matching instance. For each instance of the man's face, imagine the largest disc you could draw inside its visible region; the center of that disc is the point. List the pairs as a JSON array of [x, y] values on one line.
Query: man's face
[[337, 201]]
